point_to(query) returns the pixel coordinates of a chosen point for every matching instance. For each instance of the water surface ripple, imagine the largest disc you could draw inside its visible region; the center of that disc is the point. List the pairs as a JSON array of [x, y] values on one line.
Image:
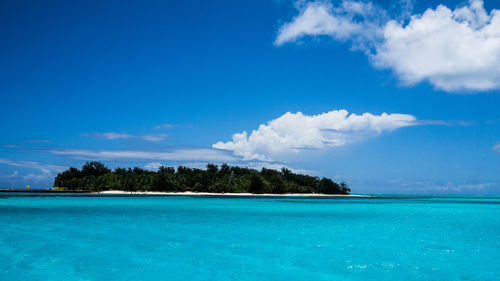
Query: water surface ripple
[[79, 237]]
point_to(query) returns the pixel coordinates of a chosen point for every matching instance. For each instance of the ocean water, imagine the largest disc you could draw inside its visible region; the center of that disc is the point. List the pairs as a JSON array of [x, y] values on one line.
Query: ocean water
[[200, 238]]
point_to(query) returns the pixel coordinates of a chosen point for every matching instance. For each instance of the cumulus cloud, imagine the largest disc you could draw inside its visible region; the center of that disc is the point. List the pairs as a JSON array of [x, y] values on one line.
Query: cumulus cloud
[[117, 136], [293, 132], [454, 50]]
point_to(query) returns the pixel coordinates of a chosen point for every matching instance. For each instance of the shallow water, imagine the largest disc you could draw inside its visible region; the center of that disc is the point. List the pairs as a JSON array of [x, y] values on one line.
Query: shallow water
[[197, 238]]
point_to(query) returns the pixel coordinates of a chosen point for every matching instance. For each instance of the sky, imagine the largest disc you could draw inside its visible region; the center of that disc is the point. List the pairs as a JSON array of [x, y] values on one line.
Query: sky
[[393, 97]]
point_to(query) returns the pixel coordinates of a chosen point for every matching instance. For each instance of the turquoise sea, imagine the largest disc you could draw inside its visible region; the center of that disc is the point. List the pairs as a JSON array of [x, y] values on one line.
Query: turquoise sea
[[75, 237]]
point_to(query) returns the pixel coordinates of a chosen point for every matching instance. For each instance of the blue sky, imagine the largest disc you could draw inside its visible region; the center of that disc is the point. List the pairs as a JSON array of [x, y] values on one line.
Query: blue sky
[[148, 83]]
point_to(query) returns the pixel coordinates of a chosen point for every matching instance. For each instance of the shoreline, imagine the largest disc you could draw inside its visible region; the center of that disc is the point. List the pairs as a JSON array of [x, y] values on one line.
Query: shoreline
[[190, 193], [185, 193]]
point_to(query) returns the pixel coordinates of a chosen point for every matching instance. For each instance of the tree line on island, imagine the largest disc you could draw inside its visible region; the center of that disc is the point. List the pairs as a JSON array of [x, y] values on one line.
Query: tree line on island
[[95, 176]]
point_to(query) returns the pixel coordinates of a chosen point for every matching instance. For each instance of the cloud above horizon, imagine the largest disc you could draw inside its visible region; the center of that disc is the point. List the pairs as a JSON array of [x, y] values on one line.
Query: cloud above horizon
[[293, 132], [190, 157], [454, 50], [185, 154], [46, 172], [427, 187], [32, 164], [117, 136]]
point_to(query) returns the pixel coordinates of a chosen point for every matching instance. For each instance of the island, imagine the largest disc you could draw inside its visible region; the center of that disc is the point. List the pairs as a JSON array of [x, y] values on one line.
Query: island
[[94, 176]]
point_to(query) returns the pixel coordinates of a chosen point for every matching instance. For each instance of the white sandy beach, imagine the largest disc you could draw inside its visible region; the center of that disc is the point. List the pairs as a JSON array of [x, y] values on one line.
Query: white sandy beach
[[118, 192]]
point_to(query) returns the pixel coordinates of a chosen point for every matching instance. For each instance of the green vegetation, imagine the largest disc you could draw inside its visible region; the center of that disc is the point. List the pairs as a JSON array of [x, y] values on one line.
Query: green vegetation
[[95, 176]]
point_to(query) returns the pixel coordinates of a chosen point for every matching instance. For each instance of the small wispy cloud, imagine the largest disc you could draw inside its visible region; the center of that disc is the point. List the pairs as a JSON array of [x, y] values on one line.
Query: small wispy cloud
[[496, 147], [32, 164], [36, 140], [461, 187], [185, 154], [14, 174], [20, 180], [12, 146], [171, 126], [426, 187], [165, 126], [153, 166], [123, 136], [46, 172], [446, 123]]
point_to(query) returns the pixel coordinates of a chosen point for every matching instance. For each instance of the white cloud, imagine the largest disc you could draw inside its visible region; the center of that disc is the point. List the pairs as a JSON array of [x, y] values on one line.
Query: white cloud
[[454, 50], [322, 18], [153, 166], [200, 154], [295, 131], [116, 136]]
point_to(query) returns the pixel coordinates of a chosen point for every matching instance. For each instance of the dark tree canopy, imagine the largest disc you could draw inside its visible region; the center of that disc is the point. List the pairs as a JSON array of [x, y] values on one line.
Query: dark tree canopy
[[96, 176], [95, 169]]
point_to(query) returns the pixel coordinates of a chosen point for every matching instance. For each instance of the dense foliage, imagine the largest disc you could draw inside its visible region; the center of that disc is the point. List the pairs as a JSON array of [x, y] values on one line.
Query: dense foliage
[[96, 176]]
